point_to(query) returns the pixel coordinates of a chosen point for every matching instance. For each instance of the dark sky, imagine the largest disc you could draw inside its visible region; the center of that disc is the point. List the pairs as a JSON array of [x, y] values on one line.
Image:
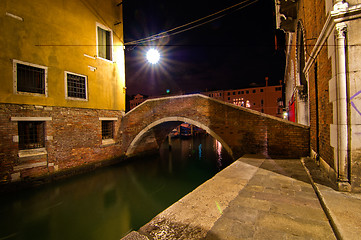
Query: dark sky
[[235, 51]]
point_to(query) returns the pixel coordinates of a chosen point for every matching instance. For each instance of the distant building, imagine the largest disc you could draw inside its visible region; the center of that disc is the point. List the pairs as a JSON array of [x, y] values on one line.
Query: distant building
[[266, 99], [62, 92], [138, 99]]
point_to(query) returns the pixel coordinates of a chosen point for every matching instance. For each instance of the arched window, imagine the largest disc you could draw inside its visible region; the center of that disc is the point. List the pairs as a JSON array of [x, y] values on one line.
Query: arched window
[[301, 59]]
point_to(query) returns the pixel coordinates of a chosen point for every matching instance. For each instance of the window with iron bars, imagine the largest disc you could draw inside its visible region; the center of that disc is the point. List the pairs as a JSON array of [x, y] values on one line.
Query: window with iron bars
[[30, 79], [76, 85], [107, 129], [31, 134]]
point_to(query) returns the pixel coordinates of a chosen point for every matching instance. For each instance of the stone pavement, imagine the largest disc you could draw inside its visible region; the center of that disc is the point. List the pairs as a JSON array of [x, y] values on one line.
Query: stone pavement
[[258, 198]]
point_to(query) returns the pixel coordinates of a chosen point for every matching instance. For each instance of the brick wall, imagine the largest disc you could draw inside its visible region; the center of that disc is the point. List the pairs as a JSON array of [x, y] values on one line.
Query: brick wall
[[72, 140], [242, 130]]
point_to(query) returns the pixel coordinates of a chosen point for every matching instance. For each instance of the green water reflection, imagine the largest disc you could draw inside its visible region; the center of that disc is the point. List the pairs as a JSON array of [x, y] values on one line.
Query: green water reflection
[[110, 202]]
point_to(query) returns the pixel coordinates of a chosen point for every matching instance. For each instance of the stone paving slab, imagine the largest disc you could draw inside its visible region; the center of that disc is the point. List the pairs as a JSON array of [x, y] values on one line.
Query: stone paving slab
[[277, 203], [343, 208], [254, 198]]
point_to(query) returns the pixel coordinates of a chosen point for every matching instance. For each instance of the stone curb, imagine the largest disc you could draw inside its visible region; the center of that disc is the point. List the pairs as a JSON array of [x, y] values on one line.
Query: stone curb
[[321, 198]]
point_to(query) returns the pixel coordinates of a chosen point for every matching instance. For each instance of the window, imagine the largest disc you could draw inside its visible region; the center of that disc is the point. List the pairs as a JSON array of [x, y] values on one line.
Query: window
[[76, 86], [261, 90], [254, 91], [31, 134], [278, 88], [107, 129], [29, 78], [234, 93], [104, 44], [247, 92], [228, 93]]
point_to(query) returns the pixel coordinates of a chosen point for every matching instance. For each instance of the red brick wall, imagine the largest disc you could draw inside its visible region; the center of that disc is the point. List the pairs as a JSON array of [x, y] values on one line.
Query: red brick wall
[[243, 130], [312, 14], [74, 140]]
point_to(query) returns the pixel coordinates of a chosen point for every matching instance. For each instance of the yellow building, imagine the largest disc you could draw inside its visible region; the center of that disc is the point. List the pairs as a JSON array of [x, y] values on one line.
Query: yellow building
[[62, 91]]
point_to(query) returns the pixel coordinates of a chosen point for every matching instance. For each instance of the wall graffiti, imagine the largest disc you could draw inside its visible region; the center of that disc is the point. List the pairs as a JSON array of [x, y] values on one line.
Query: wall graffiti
[[353, 104]]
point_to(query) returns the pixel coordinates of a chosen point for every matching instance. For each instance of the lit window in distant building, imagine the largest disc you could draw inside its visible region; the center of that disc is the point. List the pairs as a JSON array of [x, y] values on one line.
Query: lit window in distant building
[[31, 134], [234, 93], [76, 85], [248, 104], [30, 78], [104, 43], [228, 94], [229, 98]]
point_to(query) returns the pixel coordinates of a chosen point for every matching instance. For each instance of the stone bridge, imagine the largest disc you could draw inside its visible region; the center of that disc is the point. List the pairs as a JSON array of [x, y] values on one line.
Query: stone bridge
[[240, 130]]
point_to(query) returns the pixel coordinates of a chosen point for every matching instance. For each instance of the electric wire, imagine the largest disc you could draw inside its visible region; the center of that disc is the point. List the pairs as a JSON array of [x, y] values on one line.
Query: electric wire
[[171, 33]]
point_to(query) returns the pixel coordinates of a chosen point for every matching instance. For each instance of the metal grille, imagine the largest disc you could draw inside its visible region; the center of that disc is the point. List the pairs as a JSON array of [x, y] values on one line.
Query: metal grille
[[107, 129], [30, 79], [76, 86], [31, 135]]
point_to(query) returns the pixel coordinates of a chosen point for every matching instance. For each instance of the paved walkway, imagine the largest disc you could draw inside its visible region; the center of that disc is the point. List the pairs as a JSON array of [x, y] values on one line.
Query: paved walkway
[[258, 198]]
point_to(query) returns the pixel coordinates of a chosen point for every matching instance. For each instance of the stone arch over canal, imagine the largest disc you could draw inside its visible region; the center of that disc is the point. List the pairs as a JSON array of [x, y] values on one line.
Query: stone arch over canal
[[240, 130]]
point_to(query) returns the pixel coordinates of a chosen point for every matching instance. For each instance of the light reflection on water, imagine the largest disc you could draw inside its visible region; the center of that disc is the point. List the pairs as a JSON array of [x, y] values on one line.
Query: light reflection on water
[[110, 202]]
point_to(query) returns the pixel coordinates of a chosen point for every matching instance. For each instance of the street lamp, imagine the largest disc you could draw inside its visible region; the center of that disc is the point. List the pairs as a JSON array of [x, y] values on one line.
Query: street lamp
[[153, 56]]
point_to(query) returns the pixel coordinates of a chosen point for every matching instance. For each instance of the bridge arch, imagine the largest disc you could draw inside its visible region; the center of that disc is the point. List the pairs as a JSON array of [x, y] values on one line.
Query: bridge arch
[[143, 132], [238, 129]]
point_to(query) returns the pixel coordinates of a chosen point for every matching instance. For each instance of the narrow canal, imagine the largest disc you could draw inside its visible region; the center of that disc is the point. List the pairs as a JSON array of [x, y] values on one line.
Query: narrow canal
[[110, 202]]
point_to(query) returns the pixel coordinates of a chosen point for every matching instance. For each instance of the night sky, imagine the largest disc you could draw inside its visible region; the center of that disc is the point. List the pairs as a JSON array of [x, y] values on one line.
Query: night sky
[[235, 51]]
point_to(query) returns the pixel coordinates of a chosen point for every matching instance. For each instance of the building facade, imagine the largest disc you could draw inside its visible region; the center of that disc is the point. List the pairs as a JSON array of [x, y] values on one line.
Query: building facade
[[62, 92], [267, 99], [322, 78], [138, 99]]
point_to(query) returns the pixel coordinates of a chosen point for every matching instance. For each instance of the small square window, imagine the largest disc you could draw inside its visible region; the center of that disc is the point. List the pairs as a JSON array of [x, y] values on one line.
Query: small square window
[[29, 78], [76, 86], [254, 91], [242, 92], [31, 134], [247, 92], [107, 129], [261, 90]]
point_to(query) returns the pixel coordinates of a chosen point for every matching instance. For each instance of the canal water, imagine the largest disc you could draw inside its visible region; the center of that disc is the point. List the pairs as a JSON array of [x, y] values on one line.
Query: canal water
[[110, 202]]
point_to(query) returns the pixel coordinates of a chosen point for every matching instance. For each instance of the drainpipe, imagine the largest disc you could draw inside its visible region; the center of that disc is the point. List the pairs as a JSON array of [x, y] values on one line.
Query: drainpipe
[[342, 127]]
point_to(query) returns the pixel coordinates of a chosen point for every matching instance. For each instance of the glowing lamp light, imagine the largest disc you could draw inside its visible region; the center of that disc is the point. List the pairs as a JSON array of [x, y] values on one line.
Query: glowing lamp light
[[153, 56]]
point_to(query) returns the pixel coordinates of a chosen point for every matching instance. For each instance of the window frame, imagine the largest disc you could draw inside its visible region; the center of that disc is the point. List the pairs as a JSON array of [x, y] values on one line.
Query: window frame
[[98, 25], [15, 78], [66, 86], [39, 136], [108, 141]]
